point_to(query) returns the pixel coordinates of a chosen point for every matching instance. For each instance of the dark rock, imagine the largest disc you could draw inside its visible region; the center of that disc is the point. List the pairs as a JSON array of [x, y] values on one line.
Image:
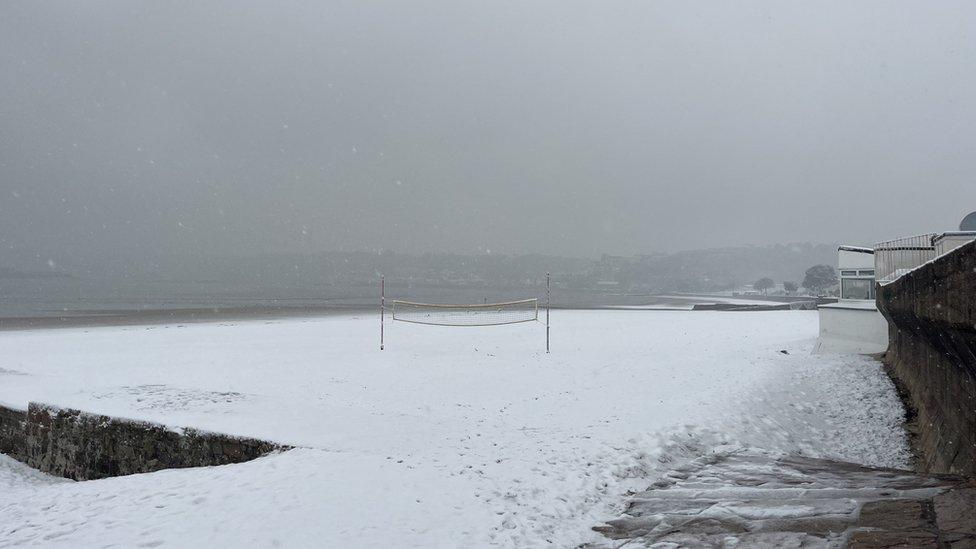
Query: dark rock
[[898, 514], [892, 540], [955, 511]]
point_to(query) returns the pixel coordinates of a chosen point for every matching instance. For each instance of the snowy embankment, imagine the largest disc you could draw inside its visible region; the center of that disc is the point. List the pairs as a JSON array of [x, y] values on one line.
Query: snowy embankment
[[451, 437]]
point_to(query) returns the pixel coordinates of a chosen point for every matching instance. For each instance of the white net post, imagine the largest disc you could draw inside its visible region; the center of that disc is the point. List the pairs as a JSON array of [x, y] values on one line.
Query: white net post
[[382, 308], [548, 299]]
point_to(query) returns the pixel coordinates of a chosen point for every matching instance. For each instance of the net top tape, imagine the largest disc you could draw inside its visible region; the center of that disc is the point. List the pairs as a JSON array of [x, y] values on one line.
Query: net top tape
[[464, 306]]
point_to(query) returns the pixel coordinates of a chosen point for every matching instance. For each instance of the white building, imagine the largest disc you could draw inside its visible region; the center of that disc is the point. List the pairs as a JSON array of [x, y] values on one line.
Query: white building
[[853, 324], [946, 242], [856, 266]]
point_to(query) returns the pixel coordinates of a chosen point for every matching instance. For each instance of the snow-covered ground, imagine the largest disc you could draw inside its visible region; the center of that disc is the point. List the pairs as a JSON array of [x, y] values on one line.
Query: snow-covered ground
[[451, 437]]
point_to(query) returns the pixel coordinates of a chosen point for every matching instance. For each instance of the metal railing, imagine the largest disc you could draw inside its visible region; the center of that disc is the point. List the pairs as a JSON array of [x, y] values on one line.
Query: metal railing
[[892, 258]]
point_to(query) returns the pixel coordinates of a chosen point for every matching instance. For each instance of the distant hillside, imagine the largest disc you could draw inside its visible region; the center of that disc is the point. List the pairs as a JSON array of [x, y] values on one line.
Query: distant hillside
[[720, 268], [688, 271], [30, 274]]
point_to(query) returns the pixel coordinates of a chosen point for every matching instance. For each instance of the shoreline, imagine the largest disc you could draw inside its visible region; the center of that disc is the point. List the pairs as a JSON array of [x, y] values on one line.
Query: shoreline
[[133, 317], [95, 319], [126, 317]]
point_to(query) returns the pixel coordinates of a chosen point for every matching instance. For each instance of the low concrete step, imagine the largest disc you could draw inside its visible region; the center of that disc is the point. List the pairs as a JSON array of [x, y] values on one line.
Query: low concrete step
[[751, 499]]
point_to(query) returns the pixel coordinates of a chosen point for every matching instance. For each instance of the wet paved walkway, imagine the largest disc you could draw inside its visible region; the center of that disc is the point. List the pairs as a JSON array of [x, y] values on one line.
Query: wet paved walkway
[[754, 500]]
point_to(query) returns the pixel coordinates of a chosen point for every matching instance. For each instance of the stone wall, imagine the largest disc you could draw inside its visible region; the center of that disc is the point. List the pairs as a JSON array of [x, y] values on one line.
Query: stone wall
[[932, 355], [13, 435], [84, 446]]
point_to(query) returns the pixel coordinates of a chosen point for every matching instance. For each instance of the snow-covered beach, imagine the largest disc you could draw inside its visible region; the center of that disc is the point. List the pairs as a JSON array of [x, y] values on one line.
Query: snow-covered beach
[[450, 437]]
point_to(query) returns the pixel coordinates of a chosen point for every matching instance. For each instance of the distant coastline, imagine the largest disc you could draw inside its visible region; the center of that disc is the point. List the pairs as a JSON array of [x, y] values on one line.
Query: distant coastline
[[150, 315], [85, 319]]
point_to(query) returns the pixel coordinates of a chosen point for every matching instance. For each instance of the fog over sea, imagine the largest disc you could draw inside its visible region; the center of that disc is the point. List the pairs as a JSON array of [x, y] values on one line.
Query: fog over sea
[[78, 297], [215, 285]]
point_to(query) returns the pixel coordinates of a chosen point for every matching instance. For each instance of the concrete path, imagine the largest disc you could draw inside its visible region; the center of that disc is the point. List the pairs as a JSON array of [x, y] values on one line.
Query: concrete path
[[755, 500]]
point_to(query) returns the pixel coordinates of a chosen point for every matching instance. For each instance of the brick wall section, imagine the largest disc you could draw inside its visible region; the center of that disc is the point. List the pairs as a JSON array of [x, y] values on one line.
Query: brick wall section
[[83, 446], [931, 313]]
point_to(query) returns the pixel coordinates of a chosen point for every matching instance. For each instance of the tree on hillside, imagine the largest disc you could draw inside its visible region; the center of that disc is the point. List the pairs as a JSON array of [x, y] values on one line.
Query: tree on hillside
[[790, 287], [819, 277], [764, 284]]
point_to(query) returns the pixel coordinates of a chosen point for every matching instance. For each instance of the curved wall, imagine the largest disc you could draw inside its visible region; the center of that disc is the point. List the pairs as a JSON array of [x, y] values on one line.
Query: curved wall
[[931, 312], [84, 446]]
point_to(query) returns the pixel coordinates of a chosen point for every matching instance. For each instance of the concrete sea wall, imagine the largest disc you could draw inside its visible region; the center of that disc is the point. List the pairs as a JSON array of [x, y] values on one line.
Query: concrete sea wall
[[932, 355], [851, 327], [84, 446]]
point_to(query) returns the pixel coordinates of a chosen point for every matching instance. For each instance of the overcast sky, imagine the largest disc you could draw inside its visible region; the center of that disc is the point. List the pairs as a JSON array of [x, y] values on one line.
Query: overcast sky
[[570, 128]]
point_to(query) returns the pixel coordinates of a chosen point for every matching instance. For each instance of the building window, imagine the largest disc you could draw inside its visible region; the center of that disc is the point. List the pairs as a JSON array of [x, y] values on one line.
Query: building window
[[857, 288], [869, 272], [848, 273]]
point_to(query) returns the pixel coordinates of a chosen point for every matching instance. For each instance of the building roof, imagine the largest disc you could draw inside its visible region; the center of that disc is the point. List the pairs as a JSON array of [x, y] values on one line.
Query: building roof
[[859, 249], [938, 237]]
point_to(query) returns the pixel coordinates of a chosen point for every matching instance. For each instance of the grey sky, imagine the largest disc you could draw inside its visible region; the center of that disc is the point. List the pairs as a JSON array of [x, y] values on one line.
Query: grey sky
[[557, 127]]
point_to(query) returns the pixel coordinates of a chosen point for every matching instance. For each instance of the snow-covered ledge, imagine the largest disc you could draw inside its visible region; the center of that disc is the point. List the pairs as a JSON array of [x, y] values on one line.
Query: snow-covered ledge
[[852, 326]]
